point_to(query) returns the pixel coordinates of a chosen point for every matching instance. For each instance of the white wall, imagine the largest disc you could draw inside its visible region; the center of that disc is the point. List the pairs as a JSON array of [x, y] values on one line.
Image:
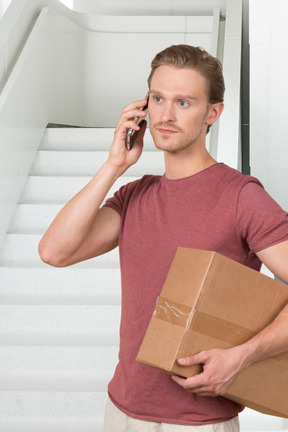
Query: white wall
[[269, 95]]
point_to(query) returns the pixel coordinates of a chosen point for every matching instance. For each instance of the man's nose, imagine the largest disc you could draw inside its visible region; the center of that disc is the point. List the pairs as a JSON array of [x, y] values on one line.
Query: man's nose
[[167, 114]]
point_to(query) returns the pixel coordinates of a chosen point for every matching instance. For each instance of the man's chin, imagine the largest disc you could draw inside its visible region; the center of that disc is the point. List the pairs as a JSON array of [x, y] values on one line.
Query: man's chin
[[164, 143], [168, 144]]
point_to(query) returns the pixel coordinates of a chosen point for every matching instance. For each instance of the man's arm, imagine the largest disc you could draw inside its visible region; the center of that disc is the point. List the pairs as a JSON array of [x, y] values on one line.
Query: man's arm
[[82, 230], [221, 367]]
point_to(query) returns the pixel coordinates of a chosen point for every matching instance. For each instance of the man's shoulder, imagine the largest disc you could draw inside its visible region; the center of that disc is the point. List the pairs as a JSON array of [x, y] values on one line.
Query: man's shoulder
[[232, 172], [144, 182], [138, 186], [236, 177]]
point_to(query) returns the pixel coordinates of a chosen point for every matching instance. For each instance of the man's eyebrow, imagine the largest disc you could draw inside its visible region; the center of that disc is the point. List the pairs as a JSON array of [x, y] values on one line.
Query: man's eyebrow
[[178, 96]]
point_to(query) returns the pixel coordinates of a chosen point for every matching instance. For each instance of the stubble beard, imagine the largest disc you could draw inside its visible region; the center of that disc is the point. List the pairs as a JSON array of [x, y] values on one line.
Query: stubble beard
[[180, 141]]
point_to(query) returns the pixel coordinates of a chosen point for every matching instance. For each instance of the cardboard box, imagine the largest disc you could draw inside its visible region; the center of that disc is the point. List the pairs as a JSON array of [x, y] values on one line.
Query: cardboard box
[[209, 301]]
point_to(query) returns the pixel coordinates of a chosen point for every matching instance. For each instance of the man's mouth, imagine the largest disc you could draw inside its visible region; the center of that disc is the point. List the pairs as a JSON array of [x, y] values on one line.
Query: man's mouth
[[166, 131]]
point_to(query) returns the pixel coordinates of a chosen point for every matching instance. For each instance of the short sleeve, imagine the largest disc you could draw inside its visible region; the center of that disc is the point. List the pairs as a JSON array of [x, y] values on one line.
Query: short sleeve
[[261, 222], [121, 198], [116, 202]]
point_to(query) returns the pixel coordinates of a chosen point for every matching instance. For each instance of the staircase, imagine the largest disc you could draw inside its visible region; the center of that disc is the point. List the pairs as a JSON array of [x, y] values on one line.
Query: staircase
[[59, 326]]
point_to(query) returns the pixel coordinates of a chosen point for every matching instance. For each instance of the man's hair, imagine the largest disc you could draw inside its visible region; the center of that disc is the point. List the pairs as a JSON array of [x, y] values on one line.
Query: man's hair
[[187, 56]]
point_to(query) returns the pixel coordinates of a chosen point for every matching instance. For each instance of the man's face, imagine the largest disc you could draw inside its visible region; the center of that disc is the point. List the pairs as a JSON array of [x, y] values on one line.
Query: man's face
[[178, 108]]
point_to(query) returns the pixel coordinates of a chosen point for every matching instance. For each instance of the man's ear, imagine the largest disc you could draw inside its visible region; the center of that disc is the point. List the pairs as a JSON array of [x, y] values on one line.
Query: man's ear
[[215, 111]]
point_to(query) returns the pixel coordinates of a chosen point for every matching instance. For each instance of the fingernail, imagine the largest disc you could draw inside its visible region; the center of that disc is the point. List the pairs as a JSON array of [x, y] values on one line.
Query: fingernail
[[182, 361]]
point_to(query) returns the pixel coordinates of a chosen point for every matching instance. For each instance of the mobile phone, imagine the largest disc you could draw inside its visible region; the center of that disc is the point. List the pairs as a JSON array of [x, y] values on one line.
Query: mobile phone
[[132, 134]]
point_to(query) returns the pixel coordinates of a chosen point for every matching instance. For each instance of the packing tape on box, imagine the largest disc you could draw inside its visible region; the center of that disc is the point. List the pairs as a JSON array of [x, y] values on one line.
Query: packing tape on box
[[181, 315], [175, 313]]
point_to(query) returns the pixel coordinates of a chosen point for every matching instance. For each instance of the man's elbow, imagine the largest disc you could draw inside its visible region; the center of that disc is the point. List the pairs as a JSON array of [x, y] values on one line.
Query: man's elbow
[[48, 256]]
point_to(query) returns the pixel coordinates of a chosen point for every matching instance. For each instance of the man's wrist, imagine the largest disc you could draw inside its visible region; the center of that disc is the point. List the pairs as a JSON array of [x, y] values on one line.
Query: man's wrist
[[246, 354], [113, 170]]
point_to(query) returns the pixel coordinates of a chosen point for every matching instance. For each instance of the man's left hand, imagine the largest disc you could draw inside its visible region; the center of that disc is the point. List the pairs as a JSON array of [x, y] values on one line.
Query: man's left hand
[[220, 368]]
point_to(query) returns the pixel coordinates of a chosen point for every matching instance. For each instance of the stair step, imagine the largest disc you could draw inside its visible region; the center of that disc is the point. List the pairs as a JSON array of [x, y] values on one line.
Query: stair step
[[29, 411], [84, 139], [87, 163], [59, 190], [33, 218], [66, 286], [23, 248], [64, 369], [76, 325]]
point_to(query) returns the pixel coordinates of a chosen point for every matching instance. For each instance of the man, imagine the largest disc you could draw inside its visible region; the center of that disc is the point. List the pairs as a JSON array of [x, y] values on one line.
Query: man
[[197, 203]]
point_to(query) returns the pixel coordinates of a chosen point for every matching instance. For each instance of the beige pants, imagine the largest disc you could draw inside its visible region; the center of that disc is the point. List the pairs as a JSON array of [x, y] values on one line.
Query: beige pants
[[116, 421]]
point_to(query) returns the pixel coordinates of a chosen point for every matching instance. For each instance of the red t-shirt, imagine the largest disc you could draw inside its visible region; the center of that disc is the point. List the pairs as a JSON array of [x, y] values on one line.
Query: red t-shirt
[[217, 209]]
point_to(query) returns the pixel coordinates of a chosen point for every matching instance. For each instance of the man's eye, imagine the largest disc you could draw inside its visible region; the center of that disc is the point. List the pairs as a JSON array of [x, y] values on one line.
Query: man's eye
[[183, 103], [157, 99]]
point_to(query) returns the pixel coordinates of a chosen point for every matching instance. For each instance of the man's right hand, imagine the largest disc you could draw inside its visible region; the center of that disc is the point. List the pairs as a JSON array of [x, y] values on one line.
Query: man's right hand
[[119, 156]]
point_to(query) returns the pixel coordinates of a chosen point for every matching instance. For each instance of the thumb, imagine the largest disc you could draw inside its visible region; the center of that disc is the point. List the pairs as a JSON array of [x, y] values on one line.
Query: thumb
[[192, 360]]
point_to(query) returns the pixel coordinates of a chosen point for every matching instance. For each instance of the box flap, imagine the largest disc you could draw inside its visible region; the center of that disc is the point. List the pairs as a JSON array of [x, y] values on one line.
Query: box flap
[[186, 276]]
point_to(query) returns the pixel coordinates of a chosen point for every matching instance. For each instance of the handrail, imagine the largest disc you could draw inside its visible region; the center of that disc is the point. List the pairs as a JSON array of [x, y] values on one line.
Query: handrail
[[15, 27]]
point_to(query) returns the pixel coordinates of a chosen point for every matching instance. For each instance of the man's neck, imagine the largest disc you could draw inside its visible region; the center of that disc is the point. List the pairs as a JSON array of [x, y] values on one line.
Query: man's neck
[[180, 165]]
